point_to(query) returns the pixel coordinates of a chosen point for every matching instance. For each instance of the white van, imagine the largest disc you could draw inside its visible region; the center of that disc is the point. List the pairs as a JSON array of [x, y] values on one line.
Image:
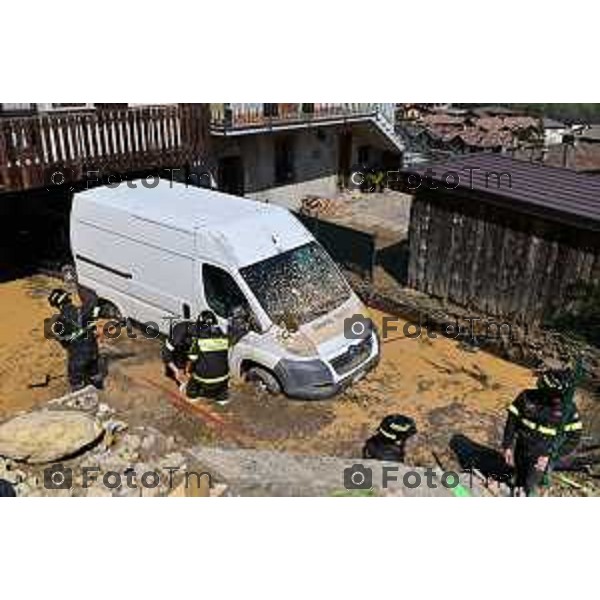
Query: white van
[[170, 251]]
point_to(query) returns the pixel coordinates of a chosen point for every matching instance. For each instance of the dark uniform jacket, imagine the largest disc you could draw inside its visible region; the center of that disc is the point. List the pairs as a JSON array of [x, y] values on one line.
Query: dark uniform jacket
[[176, 347], [76, 326], [206, 349], [209, 355], [548, 428], [378, 448]]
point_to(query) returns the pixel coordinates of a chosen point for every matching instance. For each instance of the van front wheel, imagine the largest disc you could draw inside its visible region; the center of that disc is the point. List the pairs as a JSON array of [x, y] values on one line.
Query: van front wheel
[[263, 380]]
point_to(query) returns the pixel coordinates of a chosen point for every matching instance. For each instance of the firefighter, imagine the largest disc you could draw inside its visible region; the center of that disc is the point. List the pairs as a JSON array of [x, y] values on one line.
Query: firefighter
[[542, 425], [208, 356], [75, 327], [175, 352], [390, 440]]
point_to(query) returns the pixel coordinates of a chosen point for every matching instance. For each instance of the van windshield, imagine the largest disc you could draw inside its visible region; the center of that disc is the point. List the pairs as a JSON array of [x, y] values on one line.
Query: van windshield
[[298, 285]]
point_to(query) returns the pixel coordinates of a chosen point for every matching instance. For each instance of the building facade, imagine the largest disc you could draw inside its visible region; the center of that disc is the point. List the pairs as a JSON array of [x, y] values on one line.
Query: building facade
[[285, 152]]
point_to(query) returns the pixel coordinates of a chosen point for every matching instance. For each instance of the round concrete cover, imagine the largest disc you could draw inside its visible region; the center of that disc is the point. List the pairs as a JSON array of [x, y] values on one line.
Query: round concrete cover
[[47, 436]]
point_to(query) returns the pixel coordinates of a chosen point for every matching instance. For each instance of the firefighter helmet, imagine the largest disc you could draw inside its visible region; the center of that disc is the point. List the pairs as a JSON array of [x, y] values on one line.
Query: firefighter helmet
[[207, 318], [556, 379], [68, 273], [397, 428]]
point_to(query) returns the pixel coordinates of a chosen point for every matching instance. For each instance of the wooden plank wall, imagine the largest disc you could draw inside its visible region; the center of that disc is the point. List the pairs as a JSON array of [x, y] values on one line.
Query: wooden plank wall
[[496, 261]]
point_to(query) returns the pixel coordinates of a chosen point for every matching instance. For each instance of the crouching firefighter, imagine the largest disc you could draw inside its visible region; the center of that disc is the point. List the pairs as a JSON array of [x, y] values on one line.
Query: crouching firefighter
[[75, 327], [390, 440], [208, 356], [175, 352], [543, 424]]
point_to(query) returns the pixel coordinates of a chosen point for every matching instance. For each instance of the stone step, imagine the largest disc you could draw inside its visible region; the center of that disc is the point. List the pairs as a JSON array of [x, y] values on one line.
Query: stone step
[[270, 473]]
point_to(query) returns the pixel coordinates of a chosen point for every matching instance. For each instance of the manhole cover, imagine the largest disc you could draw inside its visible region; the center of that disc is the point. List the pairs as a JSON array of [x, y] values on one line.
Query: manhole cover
[[47, 436]]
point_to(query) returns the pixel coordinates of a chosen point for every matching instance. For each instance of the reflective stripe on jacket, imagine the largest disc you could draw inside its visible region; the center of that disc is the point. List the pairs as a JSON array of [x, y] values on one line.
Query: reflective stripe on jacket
[[572, 425]]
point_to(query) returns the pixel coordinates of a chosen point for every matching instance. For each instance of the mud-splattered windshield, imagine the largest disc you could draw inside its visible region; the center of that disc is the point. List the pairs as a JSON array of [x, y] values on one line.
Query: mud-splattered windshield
[[299, 285]]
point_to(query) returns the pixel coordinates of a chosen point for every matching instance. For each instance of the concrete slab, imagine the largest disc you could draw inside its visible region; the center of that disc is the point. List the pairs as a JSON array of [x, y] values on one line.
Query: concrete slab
[[270, 473]]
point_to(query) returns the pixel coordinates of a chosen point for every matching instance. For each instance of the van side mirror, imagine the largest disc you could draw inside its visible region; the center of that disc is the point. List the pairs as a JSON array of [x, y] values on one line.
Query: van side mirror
[[187, 313]]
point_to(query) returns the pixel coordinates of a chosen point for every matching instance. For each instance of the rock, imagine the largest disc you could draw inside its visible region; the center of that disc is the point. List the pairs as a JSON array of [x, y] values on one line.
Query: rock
[[112, 428], [99, 491], [104, 410], [48, 435], [153, 492], [172, 460], [85, 399], [128, 448], [149, 443], [13, 476]]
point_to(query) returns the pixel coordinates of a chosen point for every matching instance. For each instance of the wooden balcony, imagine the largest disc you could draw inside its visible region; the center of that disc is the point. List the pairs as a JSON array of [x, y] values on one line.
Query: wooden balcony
[[121, 140]]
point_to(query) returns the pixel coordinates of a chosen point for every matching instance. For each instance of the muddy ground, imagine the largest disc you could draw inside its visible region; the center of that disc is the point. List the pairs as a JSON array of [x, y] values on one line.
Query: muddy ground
[[446, 389]]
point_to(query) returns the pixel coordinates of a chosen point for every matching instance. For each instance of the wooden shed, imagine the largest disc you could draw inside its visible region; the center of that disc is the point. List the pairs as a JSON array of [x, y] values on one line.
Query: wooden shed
[[503, 236]]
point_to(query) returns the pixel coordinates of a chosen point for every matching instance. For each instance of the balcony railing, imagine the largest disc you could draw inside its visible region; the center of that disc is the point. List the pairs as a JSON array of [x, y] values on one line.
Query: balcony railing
[[112, 140], [226, 117]]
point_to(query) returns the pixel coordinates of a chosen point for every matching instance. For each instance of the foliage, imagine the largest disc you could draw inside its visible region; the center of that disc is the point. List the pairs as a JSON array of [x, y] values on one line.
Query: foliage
[[583, 317], [583, 113]]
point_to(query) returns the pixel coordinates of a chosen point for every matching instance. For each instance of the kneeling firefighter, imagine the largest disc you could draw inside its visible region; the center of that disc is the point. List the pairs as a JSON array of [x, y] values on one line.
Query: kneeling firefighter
[[208, 354], [75, 327], [390, 440], [543, 424], [175, 352]]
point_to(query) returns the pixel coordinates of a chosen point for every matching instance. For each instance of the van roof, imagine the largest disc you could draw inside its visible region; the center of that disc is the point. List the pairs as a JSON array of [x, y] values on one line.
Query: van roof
[[248, 230], [176, 204]]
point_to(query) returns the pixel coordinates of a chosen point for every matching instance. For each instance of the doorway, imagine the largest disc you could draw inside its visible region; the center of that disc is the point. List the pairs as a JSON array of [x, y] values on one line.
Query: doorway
[[231, 175]]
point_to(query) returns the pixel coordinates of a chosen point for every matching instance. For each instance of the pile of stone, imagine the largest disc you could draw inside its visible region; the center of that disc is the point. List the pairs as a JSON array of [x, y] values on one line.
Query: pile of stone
[[315, 206], [76, 446]]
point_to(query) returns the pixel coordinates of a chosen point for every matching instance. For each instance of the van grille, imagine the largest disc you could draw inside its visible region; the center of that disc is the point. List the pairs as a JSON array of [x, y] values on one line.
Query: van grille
[[353, 357]]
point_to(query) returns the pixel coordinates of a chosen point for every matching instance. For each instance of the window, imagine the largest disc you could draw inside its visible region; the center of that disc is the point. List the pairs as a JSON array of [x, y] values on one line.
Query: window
[[308, 109], [302, 283], [69, 105], [363, 155], [284, 160], [270, 110], [221, 291]]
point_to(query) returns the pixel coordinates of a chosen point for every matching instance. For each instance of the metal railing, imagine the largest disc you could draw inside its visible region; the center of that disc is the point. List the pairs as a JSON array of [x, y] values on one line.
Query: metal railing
[[226, 117]]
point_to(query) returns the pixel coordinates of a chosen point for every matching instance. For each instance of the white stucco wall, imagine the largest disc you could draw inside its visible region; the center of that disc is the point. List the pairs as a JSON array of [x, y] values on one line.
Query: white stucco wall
[[554, 136], [315, 164], [316, 160]]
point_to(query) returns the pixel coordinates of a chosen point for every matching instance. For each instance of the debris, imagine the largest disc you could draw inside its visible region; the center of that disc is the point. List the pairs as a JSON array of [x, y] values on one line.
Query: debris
[[9, 473], [582, 489], [315, 206], [104, 410], [85, 399], [112, 428]]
